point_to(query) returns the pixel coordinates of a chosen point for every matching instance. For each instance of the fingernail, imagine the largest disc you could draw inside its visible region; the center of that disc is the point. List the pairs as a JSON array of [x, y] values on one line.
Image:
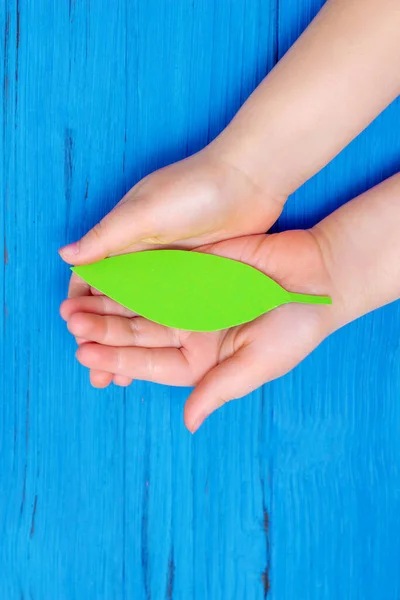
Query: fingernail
[[70, 250]]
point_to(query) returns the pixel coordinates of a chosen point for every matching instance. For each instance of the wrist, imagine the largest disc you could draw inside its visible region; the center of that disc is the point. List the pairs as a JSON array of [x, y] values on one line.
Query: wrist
[[341, 312], [360, 246], [257, 156]]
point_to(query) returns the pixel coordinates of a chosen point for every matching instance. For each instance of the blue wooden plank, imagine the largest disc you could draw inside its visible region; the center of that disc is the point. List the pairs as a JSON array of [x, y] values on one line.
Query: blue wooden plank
[[290, 493], [62, 517], [336, 465]]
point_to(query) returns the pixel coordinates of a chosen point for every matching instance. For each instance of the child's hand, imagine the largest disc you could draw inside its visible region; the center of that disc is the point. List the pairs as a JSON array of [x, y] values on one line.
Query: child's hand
[[199, 200], [223, 365]]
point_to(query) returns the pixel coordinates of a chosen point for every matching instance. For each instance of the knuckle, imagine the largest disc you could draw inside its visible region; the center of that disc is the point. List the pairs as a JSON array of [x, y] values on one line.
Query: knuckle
[[175, 338], [105, 333], [224, 400], [99, 231], [118, 360], [134, 329], [160, 240], [150, 364]]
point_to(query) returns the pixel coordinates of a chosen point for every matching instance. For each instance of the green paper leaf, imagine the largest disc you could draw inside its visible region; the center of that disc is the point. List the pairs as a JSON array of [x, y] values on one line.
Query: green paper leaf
[[188, 290]]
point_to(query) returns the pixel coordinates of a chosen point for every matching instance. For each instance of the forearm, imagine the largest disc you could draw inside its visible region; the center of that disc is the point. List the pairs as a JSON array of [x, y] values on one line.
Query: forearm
[[339, 75], [360, 243]]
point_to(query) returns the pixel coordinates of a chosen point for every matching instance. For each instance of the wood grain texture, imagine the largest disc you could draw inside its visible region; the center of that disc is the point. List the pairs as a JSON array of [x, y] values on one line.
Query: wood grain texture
[[291, 493]]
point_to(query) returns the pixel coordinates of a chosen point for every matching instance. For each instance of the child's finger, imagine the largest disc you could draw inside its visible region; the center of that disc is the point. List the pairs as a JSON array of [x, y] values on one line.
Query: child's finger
[[95, 292], [122, 381], [100, 379], [125, 224], [279, 340], [77, 287], [100, 305], [120, 331], [161, 365], [237, 376]]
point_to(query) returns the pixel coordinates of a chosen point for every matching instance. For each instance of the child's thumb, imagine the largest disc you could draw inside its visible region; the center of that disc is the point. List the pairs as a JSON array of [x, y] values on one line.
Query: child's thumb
[[234, 378], [118, 230]]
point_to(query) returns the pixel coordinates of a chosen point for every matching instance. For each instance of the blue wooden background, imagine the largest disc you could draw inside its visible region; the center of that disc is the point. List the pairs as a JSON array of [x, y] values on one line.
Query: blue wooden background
[[292, 493]]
